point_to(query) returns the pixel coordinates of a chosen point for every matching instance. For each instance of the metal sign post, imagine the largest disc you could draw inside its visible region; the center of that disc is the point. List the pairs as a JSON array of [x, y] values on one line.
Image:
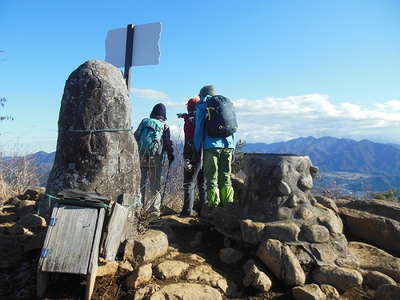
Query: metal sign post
[[128, 54]]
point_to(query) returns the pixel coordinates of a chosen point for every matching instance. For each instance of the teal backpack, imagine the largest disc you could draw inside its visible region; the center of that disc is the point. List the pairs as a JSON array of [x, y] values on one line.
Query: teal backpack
[[150, 138]]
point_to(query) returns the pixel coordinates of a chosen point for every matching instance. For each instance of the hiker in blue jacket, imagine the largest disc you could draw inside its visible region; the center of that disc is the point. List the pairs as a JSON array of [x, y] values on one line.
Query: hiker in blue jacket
[[217, 153]]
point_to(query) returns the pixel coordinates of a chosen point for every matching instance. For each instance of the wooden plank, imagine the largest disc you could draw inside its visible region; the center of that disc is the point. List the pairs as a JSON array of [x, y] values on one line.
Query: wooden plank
[[115, 231], [71, 241], [78, 194], [129, 200], [48, 235], [92, 269]]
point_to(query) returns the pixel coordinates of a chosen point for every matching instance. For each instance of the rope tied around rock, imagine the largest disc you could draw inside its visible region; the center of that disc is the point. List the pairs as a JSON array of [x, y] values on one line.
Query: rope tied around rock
[[99, 130]]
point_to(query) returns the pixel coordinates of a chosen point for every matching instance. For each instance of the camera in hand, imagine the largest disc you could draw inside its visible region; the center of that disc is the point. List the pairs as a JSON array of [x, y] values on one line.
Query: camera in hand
[[182, 115]]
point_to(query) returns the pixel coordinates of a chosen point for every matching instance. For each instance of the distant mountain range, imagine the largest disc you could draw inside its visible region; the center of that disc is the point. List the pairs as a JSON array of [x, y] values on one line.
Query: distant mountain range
[[344, 164], [355, 166]]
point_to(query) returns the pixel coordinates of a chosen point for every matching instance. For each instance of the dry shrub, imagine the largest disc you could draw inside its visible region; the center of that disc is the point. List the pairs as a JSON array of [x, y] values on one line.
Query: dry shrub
[[17, 173]]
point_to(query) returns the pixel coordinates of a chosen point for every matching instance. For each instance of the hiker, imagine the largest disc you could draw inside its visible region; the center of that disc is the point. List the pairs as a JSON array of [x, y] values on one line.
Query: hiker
[[192, 171], [214, 134], [154, 139]]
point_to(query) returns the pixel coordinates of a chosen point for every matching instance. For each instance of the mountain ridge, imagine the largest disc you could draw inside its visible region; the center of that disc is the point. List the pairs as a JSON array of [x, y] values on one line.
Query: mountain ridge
[[352, 165]]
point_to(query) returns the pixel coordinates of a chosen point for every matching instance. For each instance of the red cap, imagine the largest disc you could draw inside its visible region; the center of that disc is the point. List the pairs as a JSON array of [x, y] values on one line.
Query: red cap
[[191, 104]]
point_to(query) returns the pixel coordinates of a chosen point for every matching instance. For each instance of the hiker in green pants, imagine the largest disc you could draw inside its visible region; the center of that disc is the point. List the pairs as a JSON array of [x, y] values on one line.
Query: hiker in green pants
[[215, 126]]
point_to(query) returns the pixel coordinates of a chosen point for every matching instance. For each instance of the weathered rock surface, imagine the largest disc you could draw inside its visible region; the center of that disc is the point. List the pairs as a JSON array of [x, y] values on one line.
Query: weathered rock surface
[[327, 202], [230, 255], [32, 222], [25, 207], [282, 262], [152, 244], [283, 231], [205, 273], [107, 268], [387, 209], [95, 98], [383, 232], [330, 292], [375, 279], [146, 292], [125, 266], [316, 233], [252, 232], [33, 193], [255, 277], [388, 292], [308, 292], [140, 276], [341, 278], [187, 291], [170, 269], [374, 259]]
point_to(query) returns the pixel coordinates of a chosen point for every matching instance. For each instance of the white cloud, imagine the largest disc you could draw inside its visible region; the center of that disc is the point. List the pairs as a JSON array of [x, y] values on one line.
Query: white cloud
[[148, 94], [276, 119], [171, 104]]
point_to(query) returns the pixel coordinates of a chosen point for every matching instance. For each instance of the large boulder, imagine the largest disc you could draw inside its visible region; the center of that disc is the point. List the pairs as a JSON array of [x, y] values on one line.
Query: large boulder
[[281, 261], [170, 269], [381, 231], [388, 292], [206, 274], [387, 209], [187, 291], [374, 259], [141, 275], [96, 151], [255, 277], [341, 278], [308, 292], [148, 247]]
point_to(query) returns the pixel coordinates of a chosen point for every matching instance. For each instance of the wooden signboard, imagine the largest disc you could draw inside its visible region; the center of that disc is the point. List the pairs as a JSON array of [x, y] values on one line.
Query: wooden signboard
[[115, 231], [71, 244]]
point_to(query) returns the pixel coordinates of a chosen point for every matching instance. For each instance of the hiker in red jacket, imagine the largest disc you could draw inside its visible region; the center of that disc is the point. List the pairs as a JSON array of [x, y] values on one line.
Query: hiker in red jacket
[[193, 172]]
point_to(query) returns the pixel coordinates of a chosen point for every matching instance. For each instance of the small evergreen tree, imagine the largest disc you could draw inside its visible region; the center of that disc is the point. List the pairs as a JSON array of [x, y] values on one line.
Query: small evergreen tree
[[390, 195]]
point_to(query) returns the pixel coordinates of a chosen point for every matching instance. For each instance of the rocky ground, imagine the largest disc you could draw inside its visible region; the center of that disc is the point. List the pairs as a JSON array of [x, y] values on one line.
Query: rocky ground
[[185, 258]]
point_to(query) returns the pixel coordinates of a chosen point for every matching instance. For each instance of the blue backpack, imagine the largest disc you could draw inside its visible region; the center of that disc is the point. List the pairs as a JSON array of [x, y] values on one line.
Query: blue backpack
[[150, 138]]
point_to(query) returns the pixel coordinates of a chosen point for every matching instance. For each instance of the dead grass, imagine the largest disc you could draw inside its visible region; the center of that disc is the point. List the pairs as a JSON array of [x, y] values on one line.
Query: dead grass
[[17, 173]]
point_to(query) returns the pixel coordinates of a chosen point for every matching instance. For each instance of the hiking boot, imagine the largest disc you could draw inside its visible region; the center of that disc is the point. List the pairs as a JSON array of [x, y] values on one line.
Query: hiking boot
[[188, 214]]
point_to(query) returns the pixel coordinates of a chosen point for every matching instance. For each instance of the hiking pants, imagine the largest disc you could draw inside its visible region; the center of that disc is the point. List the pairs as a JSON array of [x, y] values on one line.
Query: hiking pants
[[190, 178], [217, 171], [150, 182]]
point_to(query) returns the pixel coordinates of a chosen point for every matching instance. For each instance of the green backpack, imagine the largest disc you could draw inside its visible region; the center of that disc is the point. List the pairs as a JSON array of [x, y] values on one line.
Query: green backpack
[[150, 138]]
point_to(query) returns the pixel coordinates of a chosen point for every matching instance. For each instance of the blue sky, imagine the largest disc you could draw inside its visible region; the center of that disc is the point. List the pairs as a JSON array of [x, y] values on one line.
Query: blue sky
[[293, 68]]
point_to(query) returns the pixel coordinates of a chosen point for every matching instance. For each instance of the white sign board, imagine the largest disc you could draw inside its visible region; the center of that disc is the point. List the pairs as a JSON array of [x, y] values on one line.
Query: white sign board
[[146, 49]]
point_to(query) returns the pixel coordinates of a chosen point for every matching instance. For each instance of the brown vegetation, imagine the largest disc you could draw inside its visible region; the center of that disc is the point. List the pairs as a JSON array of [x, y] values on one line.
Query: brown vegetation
[[17, 173]]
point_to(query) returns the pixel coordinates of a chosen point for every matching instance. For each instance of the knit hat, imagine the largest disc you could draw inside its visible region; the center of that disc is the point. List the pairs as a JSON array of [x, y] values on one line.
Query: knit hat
[[191, 104], [159, 112], [207, 90]]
